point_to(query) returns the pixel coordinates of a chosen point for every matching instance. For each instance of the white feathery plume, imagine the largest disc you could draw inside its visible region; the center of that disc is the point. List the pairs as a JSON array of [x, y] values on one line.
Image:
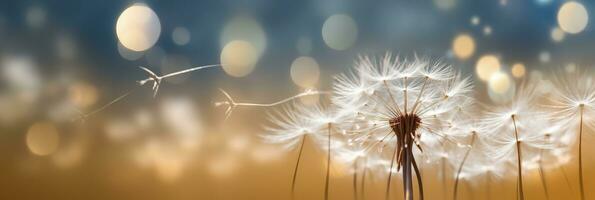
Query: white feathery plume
[[516, 130], [398, 104], [573, 104], [317, 121]]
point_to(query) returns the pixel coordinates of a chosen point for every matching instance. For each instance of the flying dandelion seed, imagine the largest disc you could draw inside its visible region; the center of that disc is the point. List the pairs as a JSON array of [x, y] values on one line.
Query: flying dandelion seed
[[231, 104], [153, 77]]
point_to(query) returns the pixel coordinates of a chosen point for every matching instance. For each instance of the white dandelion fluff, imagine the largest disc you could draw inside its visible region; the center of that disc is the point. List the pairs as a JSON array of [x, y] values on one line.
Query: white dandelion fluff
[[573, 105], [398, 103]]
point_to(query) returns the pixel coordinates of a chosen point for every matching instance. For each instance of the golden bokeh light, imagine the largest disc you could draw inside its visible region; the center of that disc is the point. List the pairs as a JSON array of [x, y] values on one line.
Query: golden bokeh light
[[486, 66], [573, 17], [499, 83], [83, 94], [138, 27], [244, 28], [42, 138], [339, 32], [129, 54], [557, 34], [238, 58], [518, 70], [463, 46], [305, 72]]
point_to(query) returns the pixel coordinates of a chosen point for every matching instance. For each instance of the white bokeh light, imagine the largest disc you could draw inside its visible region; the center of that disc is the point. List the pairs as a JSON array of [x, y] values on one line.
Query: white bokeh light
[[305, 72], [181, 36], [339, 32], [573, 17], [138, 27]]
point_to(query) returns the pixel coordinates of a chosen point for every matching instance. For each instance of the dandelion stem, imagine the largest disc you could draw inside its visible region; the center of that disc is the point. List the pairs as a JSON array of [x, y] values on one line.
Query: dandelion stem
[[390, 173], [364, 178], [542, 172], [420, 186], [488, 189], [519, 161], [460, 169], [297, 164], [580, 153], [407, 176], [328, 161], [355, 196]]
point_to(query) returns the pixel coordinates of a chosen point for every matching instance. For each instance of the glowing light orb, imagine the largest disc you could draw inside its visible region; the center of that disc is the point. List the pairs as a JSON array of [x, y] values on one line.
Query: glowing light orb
[[545, 57], [475, 20], [35, 17], [487, 30], [42, 138], [305, 72], [557, 34], [445, 4], [244, 28], [573, 17], [518, 70], [339, 32], [486, 66], [83, 94], [138, 27], [499, 83], [180, 36], [463, 46], [239, 58], [129, 54], [570, 68]]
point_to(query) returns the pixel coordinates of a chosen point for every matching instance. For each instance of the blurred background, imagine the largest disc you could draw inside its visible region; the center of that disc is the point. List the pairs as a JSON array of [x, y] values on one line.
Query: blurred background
[[59, 59]]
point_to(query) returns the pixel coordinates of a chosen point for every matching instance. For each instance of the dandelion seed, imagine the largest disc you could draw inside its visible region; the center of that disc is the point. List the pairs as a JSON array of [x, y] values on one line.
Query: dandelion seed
[[153, 77], [231, 104], [573, 102]]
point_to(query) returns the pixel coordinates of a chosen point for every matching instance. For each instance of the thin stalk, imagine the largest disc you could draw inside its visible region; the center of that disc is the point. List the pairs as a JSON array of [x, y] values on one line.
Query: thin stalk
[[328, 161], [355, 196], [519, 160], [542, 172], [390, 173], [420, 184], [443, 167], [297, 164], [460, 169], [407, 176], [364, 178], [580, 153], [488, 189]]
